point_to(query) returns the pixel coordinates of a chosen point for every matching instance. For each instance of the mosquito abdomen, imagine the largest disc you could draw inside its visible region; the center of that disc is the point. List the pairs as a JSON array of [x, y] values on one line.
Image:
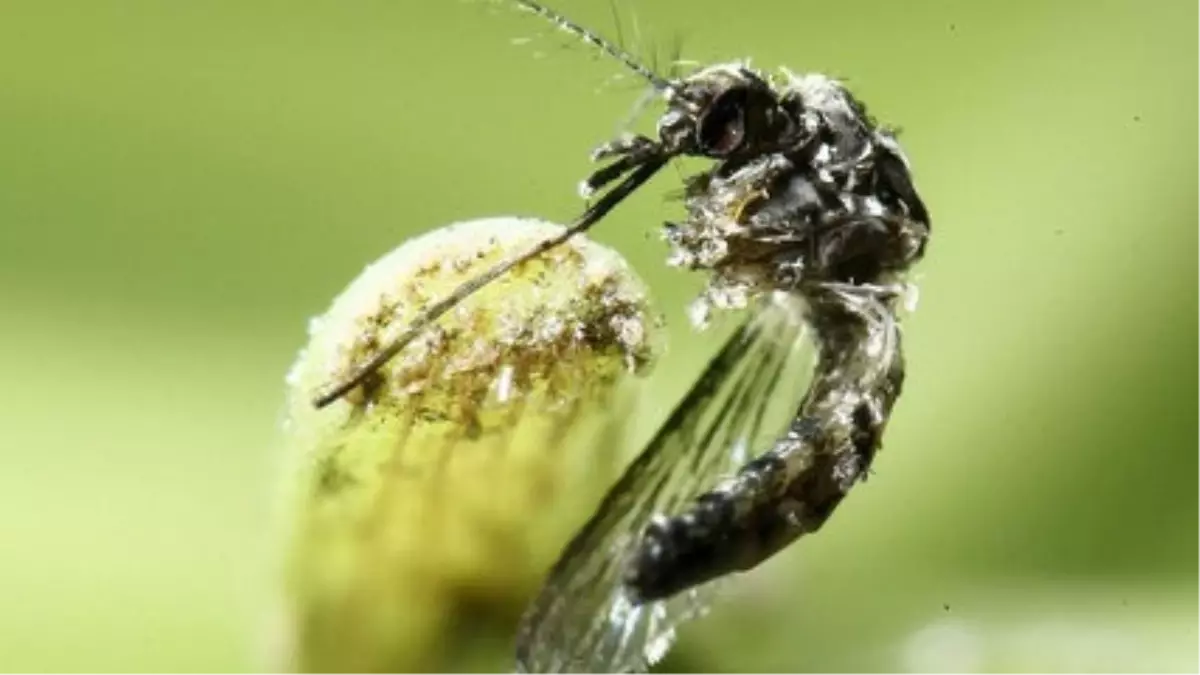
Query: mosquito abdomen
[[792, 489]]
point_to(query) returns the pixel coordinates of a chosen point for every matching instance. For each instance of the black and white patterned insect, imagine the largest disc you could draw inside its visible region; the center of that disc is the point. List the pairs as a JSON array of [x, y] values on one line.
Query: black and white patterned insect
[[807, 218]]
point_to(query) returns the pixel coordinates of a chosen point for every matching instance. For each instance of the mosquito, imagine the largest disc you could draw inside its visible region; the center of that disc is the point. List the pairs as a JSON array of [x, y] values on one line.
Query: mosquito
[[807, 219]]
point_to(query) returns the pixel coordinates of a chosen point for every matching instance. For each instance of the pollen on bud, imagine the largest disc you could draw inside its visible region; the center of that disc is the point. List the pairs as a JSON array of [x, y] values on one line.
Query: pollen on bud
[[440, 491]]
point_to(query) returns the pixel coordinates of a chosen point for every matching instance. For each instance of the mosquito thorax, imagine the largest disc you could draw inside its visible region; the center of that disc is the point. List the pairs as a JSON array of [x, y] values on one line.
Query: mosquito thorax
[[807, 187]]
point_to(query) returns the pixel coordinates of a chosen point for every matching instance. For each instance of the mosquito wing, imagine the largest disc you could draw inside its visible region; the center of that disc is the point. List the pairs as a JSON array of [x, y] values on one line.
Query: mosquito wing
[[582, 620]]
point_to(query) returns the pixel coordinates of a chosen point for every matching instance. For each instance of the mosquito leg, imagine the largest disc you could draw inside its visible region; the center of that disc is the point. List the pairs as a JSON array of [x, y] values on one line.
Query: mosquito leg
[[430, 314]]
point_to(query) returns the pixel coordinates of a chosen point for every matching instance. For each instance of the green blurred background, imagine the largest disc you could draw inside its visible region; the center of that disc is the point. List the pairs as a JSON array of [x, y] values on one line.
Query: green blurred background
[[183, 184]]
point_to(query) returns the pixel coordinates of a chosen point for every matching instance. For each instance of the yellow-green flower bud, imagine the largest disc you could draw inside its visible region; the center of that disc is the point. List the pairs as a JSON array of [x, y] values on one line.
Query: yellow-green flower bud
[[444, 487]]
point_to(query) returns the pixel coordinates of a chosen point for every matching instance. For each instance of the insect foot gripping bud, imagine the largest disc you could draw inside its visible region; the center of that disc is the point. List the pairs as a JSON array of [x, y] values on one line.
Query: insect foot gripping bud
[[438, 492]]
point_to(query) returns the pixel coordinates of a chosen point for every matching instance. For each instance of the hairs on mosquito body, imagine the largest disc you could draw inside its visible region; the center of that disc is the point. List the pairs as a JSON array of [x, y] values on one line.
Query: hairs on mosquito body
[[671, 65]]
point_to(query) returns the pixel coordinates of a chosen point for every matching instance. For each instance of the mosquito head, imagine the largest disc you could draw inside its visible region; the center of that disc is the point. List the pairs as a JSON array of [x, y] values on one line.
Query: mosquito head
[[722, 111]]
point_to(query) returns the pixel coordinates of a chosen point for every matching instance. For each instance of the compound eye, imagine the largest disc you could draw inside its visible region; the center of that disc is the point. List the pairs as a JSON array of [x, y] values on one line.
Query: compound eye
[[722, 128]]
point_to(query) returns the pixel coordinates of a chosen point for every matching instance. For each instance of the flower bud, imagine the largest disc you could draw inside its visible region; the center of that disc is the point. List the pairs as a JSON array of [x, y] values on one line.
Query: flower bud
[[446, 484]]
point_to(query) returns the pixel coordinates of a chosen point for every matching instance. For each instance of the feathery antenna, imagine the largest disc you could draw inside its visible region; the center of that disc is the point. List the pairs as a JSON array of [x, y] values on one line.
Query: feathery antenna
[[596, 40]]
